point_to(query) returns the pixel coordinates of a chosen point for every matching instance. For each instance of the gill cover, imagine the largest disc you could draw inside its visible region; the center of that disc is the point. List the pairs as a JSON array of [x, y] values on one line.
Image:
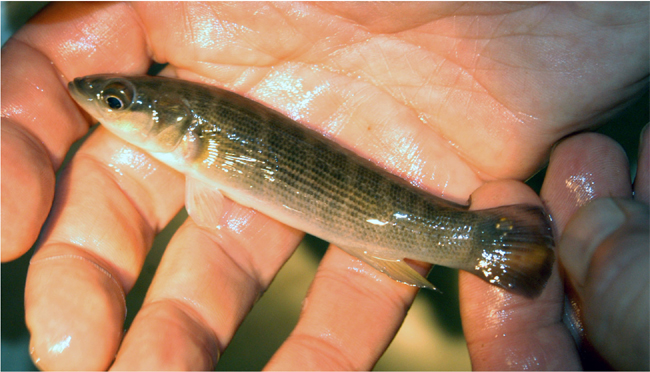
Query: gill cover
[[171, 121], [168, 115]]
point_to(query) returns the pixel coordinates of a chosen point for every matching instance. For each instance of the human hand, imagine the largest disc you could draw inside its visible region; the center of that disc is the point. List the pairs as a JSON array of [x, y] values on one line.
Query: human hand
[[603, 253], [604, 245], [463, 116]]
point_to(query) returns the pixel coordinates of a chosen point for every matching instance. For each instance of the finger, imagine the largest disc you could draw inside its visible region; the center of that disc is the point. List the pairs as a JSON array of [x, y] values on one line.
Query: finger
[[350, 315], [582, 168], [205, 285], [109, 204], [642, 180], [27, 190], [604, 250], [39, 120], [506, 331]]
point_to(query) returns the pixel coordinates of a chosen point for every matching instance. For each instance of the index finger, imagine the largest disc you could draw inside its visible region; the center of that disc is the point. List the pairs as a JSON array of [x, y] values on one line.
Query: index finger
[[39, 119]]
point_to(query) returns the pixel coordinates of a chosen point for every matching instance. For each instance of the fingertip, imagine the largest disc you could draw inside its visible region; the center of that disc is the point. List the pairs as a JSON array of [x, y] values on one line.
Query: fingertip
[[605, 253], [74, 311], [592, 226], [584, 233], [581, 168], [505, 331]]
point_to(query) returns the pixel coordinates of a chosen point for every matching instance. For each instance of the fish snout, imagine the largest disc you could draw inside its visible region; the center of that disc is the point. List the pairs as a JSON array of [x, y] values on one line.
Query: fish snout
[[80, 89]]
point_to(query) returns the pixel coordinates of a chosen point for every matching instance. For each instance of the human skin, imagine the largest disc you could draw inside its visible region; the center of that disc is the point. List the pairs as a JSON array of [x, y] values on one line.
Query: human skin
[[460, 99]]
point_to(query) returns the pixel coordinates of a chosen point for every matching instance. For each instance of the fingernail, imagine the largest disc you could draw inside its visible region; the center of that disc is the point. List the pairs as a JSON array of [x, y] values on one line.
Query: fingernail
[[584, 233]]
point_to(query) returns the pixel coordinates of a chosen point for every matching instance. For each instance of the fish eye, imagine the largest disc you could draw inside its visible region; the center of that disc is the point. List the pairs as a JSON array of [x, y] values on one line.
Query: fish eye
[[114, 102], [118, 95]]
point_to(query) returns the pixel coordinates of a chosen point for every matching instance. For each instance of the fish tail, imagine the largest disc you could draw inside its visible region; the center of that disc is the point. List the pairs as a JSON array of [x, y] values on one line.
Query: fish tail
[[514, 249]]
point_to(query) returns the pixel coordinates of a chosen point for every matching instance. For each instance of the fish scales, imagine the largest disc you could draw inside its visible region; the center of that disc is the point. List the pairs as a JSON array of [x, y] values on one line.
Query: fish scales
[[319, 179], [265, 160]]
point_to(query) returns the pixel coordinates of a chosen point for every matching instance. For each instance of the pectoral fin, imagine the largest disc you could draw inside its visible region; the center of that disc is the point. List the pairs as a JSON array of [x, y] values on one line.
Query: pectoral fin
[[396, 269], [204, 203]]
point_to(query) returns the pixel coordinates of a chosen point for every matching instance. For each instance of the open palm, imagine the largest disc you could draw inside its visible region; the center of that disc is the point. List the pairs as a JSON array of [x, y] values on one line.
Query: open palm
[[448, 96]]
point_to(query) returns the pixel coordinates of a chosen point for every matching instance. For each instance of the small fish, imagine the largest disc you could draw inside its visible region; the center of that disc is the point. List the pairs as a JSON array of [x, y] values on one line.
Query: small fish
[[229, 145]]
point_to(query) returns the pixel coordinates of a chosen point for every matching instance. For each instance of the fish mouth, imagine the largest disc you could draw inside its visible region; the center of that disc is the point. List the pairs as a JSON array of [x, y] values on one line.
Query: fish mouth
[[76, 89], [72, 88]]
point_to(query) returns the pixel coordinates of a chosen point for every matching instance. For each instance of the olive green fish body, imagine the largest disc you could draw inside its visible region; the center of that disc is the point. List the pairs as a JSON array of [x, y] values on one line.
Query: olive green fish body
[[264, 160]]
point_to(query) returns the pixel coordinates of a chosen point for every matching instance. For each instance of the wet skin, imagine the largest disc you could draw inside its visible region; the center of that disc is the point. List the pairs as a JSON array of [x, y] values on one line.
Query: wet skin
[[422, 91]]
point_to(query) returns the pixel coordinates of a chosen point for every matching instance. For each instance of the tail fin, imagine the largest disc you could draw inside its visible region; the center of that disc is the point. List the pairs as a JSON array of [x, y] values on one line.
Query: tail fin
[[515, 249]]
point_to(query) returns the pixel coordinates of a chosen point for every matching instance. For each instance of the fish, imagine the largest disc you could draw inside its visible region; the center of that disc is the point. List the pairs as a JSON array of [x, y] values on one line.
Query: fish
[[228, 145]]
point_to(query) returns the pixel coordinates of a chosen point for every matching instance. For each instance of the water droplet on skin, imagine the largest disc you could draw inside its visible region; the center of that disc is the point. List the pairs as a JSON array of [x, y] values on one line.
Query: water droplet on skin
[[238, 223], [581, 188], [60, 346], [32, 351], [286, 87], [11, 110], [131, 158]]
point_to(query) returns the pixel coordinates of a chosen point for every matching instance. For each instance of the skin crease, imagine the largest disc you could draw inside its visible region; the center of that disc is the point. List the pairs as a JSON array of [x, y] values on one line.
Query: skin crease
[[480, 91]]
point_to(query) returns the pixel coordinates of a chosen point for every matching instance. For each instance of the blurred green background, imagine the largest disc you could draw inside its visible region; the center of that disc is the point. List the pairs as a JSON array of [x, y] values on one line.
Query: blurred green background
[[430, 339]]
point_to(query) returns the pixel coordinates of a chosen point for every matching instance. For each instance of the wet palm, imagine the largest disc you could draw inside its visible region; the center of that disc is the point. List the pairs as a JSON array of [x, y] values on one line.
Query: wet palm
[[447, 96]]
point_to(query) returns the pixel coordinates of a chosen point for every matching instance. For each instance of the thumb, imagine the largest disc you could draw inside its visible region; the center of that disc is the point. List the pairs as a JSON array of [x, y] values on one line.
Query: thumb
[[605, 252]]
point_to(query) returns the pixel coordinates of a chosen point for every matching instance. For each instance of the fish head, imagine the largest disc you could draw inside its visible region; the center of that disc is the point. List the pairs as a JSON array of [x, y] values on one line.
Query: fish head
[[135, 109]]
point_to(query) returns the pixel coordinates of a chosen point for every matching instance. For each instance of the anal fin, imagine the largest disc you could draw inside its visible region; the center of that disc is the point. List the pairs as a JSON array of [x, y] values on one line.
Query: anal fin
[[394, 268]]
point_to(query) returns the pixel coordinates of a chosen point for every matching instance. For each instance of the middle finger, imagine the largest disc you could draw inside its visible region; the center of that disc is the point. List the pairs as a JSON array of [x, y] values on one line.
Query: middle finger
[[205, 285]]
